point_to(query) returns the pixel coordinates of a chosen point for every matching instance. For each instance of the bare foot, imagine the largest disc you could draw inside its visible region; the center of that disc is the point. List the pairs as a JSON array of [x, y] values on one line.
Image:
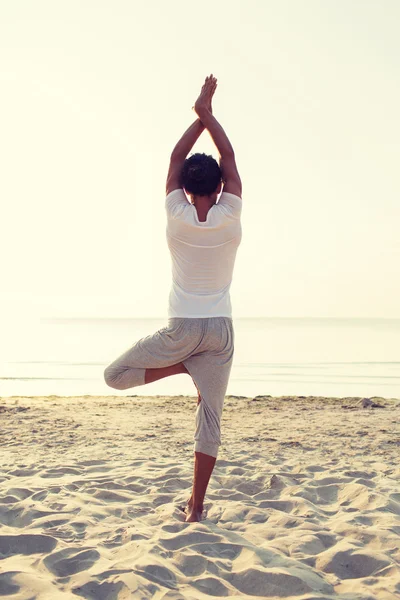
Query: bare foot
[[194, 516], [188, 508]]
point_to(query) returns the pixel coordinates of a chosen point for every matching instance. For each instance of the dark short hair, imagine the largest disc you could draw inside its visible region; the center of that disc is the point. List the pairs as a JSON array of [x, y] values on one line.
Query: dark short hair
[[200, 175]]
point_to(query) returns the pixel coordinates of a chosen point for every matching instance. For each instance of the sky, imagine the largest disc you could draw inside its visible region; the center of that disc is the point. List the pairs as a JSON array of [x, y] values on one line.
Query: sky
[[94, 96]]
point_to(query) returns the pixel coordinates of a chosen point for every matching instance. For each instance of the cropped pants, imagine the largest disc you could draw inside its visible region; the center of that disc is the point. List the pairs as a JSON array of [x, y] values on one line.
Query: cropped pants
[[205, 346]]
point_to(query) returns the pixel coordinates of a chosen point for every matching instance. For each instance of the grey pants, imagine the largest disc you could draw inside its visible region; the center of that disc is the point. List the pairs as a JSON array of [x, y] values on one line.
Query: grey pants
[[205, 346]]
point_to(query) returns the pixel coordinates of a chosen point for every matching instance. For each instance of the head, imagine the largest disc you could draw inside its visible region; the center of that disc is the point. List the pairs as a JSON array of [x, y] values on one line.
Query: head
[[201, 176]]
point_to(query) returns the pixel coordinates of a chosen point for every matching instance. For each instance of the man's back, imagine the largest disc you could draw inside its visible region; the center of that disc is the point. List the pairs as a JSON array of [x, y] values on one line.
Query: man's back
[[203, 255]]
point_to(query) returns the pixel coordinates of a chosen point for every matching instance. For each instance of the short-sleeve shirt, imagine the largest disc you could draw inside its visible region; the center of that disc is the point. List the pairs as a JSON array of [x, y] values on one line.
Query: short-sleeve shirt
[[203, 255]]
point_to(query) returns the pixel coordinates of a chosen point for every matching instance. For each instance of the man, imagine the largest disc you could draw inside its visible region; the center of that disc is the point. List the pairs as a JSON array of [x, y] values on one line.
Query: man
[[203, 237]]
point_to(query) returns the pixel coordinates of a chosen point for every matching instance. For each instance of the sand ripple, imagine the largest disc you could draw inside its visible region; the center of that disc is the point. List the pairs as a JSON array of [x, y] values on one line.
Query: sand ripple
[[280, 522]]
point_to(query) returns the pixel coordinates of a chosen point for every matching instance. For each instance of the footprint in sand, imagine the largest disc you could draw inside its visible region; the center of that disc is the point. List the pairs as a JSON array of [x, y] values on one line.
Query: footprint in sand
[[22, 517], [23, 472], [190, 565], [71, 560], [175, 527], [278, 583], [212, 587], [108, 495], [26, 544], [188, 539], [60, 472], [158, 574], [350, 564], [102, 591], [7, 586], [163, 499], [174, 595], [220, 550], [18, 493]]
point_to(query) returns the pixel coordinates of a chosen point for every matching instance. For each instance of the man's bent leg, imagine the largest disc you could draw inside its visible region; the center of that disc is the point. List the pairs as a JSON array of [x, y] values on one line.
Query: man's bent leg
[[123, 378], [155, 374]]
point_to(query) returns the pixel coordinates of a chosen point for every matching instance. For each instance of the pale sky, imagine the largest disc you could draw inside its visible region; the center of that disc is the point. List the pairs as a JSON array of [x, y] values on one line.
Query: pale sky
[[94, 96]]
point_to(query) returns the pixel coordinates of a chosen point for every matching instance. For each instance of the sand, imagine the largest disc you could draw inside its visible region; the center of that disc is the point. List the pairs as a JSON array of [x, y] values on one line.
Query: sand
[[304, 501]]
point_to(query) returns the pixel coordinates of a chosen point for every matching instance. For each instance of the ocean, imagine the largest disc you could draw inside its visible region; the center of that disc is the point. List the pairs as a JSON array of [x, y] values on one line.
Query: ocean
[[275, 356]]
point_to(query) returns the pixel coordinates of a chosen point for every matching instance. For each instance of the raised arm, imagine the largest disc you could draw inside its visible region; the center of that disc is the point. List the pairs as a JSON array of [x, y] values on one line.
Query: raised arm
[[179, 154], [230, 174], [184, 146]]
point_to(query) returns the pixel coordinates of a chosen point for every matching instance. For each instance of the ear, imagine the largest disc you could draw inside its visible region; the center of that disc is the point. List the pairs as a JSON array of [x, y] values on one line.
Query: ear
[[219, 187], [189, 196]]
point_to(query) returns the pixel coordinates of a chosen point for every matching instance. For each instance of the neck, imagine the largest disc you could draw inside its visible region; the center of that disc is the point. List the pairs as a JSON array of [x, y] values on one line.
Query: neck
[[203, 202]]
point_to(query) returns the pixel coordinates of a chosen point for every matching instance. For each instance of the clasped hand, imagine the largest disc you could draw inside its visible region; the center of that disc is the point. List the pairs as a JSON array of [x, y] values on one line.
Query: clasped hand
[[203, 102]]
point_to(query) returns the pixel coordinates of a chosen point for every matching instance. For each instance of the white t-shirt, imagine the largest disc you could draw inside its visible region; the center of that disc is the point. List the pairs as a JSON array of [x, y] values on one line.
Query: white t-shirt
[[203, 255]]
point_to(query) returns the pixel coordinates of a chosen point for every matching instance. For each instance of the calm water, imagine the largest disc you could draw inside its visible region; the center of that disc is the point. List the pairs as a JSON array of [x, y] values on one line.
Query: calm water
[[330, 357]]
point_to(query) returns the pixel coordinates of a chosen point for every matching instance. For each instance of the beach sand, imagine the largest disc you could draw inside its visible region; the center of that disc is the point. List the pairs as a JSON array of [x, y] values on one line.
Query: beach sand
[[304, 501]]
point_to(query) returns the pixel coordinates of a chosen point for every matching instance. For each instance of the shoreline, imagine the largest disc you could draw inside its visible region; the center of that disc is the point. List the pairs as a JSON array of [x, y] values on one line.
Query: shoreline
[[227, 397]]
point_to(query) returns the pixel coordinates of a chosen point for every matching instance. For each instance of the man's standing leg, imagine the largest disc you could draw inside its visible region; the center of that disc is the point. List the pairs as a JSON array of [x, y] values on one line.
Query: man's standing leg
[[212, 376], [203, 467]]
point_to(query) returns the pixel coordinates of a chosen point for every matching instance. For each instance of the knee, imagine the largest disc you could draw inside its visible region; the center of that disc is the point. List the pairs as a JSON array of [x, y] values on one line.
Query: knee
[[111, 377]]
